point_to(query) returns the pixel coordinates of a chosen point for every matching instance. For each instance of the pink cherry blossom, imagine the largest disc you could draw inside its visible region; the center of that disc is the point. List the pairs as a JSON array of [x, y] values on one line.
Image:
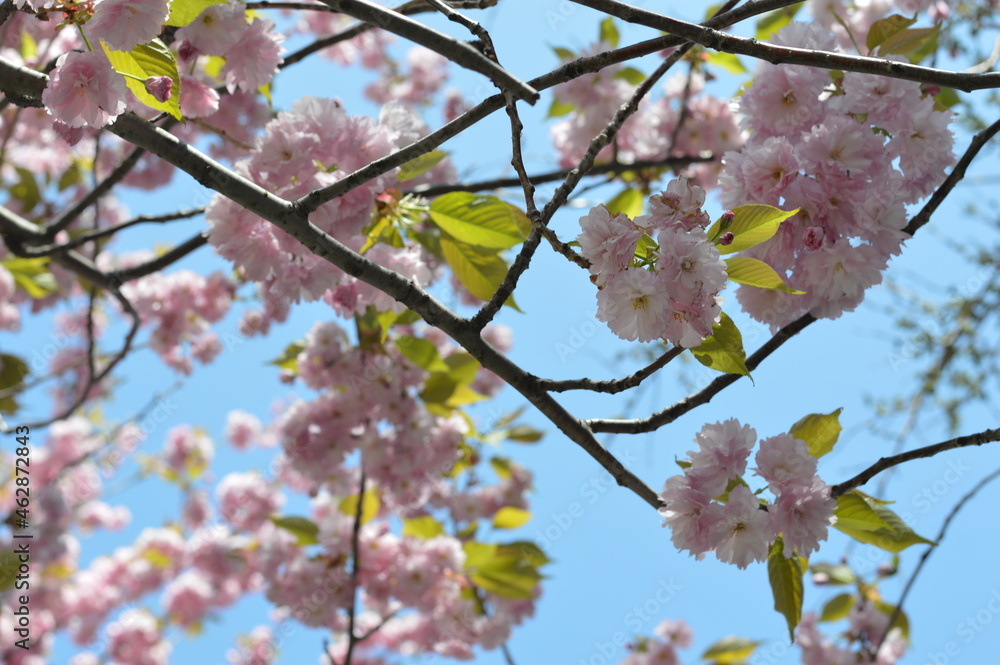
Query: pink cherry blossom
[[723, 449], [679, 204], [159, 87], [253, 60], [217, 28], [607, 241], [634, 305], [784, 462], [124, 24], [743, 532], [84, 90], [802, 514]]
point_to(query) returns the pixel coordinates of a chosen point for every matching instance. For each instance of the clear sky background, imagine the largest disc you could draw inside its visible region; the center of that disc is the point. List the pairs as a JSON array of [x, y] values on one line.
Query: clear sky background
[[615, 573]]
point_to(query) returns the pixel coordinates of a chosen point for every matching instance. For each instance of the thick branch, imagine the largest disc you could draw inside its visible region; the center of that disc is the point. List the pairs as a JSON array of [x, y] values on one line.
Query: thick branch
[[878, 467], [721, 41]]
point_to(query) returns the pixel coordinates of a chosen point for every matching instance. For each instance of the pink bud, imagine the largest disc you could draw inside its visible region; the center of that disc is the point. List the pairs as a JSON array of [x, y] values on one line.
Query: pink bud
[[931, 89], [159, 87], [813, 237], [727, 219], [727, 238], [819, 579], [186, 51]]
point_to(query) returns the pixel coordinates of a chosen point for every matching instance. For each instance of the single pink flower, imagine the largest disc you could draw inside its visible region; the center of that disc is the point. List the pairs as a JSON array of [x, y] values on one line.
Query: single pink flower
[[83, 90]]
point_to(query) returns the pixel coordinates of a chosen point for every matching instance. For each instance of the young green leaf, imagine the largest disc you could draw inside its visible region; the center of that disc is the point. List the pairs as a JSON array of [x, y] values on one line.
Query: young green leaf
[[785, 576], [184, 12], [731, 650], [753, 272], [628, 201], [420, 165], [723, 351], [819, 431], [838, 607], [883, 29], [480, 220], [305, 530], [480, 271], [510, 517], [424, 527], [145, 60], [751, 225]]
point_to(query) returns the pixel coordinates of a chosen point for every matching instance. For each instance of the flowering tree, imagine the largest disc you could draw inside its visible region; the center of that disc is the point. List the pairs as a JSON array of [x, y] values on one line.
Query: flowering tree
[[839, 148]]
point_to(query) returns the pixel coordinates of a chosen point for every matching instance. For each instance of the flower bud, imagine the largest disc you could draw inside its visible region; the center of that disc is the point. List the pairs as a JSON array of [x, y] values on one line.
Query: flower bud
[[727, 219], [727, 238], [159, 87], [813, 238]]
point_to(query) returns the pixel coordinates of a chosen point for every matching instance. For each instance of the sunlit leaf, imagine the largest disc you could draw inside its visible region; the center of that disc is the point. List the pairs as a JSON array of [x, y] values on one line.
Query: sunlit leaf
[[819, 431]]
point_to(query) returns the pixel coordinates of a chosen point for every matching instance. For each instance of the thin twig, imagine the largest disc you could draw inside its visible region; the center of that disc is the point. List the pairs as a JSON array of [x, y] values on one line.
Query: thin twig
[[927, 553], [978, 439], [675, 411], [956, 175], [552, 176], [614, 385], [726, 43], [352, 639]]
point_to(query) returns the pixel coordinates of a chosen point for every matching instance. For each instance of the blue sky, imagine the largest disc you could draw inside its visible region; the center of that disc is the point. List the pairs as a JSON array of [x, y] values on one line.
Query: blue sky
[[615, 572]]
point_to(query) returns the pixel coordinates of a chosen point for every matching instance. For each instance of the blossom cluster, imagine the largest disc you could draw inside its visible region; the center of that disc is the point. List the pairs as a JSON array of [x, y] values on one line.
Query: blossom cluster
[[850, 153], [710, 507], [683, 122], [669, 292], [314, 145]]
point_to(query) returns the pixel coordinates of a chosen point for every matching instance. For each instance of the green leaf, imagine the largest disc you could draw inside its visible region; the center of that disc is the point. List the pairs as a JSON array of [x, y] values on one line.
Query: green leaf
[[420, 165], [13, 371], [480, 271], [885, 28], [370, 505], [145, 60], [510, 517], [786, 585], [946, 99], [529, 552], [609, 33], [9, 564], [525, 434], [304, 529], [753, 272], [730, 650], [752, 224], [509, 571], [559, 108], [908, 41], [481, 220], [422, 353], [723, 351], [32, 275], [630, 74], [837, 607], [774, 21], [563, 53], [25, 190], [837, 574], [183, 12], [886, 530], [819, 431], [425, 527], [854, 513], [628, 201], [289, 358], [728, 61]]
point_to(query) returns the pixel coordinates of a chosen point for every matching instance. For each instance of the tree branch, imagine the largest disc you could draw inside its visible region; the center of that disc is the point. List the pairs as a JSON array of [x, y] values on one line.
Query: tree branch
[[551, 176], [672, 413], [721, 41], [878, 467], [614, 385], [459, 52], [956, 175]]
